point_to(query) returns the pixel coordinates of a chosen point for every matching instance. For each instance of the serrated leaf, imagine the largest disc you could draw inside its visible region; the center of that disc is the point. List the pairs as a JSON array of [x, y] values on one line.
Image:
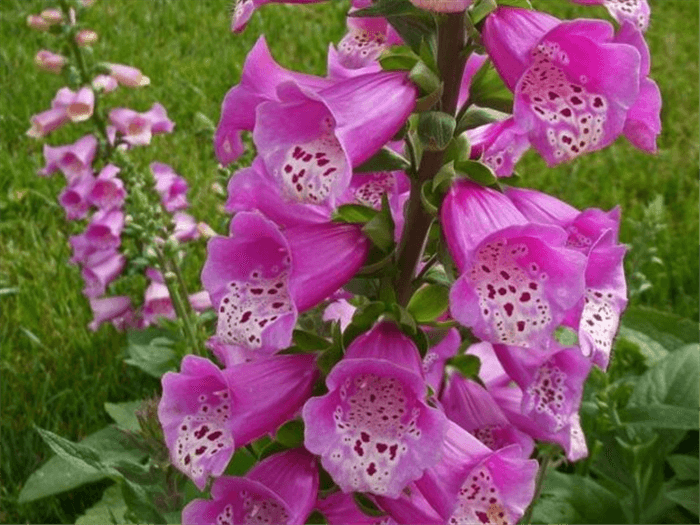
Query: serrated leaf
[[386, 159], [685, 467], [669, 330], [429, 302], [59, 475], [661, 416], [110, 509], [124, 414], [435, 130], [291, 434], [488, 89]]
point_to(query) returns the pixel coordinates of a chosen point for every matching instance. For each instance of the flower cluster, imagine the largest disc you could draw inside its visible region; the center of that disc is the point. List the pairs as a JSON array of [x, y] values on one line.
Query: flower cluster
[[330, 206], [112, 198]]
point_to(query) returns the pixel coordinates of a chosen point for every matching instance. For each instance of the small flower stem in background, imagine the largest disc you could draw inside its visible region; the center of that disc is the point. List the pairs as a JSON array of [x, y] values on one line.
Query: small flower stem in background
[[539, 481]]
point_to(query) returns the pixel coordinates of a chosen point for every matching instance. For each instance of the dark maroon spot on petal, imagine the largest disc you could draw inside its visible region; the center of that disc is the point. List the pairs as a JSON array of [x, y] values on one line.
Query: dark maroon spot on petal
[[485, 268], [322, 162], [358, 448], [222, 309], [226, 300], [392, 451], [187, 459], [576, 101], [201, 450], [199, 434], [364, 436], [597, 102], [505, 274], [246, 316], [525, 297], [381, 447], [307, 157], [533, 286], [508, 307], [277, 305], [371, 470], [566, 112], [214, 435], [552, 95], [521, 326], [256, 291], [287, 168]]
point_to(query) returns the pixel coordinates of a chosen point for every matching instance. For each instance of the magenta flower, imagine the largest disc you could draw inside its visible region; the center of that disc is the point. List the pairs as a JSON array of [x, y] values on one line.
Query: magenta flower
[[340, 311], [206, 413], [243, 10], [279, 490], [128, 76], [259, 80], [340, 508], [552, 385], [73, 160], [50, 62], [111, 309], [138, 128], [373, 430], [104, 83], [108, 191], [47, 121], [518, 280], [157, 304], [473, 408], [170, 186], [75, 197], [104, 230], [260, 278], [38, 23], [186, 227], [567, 103], [100, 269], [635, 11], [593, 233], [82, 105], [499, 145], [310, 141], [435, 359]]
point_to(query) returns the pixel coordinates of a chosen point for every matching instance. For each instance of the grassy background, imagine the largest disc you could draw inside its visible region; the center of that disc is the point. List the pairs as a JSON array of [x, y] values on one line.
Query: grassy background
[[57, 375]]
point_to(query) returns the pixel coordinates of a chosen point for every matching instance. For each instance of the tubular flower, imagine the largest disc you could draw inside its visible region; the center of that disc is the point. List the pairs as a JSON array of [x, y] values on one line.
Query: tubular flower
[[635, 11], [567, 103], [373, 430], [243, 10], [442, 6]]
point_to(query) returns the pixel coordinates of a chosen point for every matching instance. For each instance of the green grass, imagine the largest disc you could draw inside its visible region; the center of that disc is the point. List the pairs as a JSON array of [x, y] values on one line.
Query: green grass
[[57, 375]]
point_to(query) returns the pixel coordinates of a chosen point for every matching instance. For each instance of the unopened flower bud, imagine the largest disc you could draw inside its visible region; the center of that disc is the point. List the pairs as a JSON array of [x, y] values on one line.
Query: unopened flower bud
[[128, 76], [38, 23], [104, 83], [86, 37], [49, 61], [52, 16], [205, 230], [442, 6]]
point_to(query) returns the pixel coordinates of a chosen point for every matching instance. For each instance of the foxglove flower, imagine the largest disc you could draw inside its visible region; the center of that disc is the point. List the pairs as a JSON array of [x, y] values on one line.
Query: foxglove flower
[[52, 16], [340, 509], [104, 230], [128, 76], [259, 80], [593, 233], [499, 145], [373, 430], [186, 227], [50, 62], [108, 191], [75, 197], [243, 10], [138, 128], [552, 386], [435, 359], [86, 37], [38, 23], [206, 413], [442, 6], [635, 11], [99, 270], [279, 490], [567, 103], [310, 141], [341, 311], [260, 277], [116, 309], [157, 304], [47, 121], [518, 280], [170, 186], [473, 408]]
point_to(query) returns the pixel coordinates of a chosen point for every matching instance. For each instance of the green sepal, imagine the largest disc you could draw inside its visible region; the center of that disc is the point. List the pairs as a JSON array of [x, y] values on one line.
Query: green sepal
[[435, 130], [428, 54], [425, 78], [443, 178], [385, 159], [366, 505], [459, 148], [380, 229], [407, 325], [476, 171], [291, 434], [428, 101], [474, 117], [488, 89], [481, 10], [334, 353], [398, 58], [362, 320], [428, 303], [429, 198], [467, 365]]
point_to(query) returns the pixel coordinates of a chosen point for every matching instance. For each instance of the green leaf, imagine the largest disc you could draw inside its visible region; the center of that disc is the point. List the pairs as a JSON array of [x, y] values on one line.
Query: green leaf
[[110, 509], [380, 230], [579, 499], [685, 467], [488, 90], [362, 320], [429, 302], [661, 416], [435, 130], [79, 455], [476, 171], [414, 27], [669, 330], [481, 10], [385, 8], [566, 336], [366, 505], [386, 159], [151, 354], [427, 102], [316, 518], [523, 4], [241, 462], [458, 149], [139, 503], [442, 181], [425, 78], [308, 341], [124, 414], [354, 214], [398, 58], [273, 448], [431, 199], [686, 497], [428, 54], [467, 365], [476, 116], [291, 434], [60, 475]]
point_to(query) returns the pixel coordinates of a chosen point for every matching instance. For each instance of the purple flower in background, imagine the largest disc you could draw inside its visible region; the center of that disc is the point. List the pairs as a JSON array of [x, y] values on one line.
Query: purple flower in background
[[567, 103], [108, 191], [116, 309], [105, 228], [499, 145], [171, 187], [73, 160], [243, 10], [99, 270], [373, 430], [138, 128], [340, 508], [75, 197], [281, 490], [518, 279], [260, 277], [206, 413]]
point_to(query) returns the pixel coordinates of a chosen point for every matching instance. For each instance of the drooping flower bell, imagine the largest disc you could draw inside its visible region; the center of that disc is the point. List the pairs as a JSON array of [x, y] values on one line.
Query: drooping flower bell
[[443, 6], [138, 128], [635, 11], [567, 102], [373, 430]]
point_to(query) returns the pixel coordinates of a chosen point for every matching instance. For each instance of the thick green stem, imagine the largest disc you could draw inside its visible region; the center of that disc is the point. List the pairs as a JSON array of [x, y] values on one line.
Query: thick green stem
[[451, 42]]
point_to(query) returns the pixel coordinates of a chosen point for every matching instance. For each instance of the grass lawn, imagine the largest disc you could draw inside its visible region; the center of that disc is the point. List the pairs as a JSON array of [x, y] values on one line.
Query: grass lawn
[[57, 375]]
